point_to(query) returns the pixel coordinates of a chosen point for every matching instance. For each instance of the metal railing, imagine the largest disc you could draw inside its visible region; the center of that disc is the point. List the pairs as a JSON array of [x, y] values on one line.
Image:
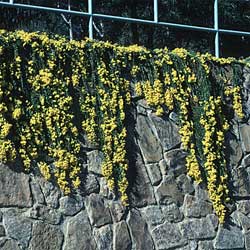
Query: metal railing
[[92, 15]]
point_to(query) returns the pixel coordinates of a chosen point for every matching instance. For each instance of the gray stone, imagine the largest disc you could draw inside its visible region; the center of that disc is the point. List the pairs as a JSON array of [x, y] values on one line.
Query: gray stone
[[91, 185], [234, 151], [174, 117], [192, 245], [195, 229], [244, 206], [167, 131], [41, 212], [104, 237], [247, 240], [17, 227], [15, 188], [241, 182], [168, 236], [246, 75], [176, 161], [51, 193], [153, 215], [36, 192], [154, 173], [201, 192], [78, 233], [2, 231], [214, 220], [122, 239], [9, 245], [168, 192], [46, 237], [241, 220], [205, 245], [246, 161], [104, 190], [99, 215], [139, 231], [95, 159], [163, 167], [245, 137], [184, 183], [149, 144], [142, 193], [71, 205], [229, 238], [117, 211], [196, 208], [172, 213]]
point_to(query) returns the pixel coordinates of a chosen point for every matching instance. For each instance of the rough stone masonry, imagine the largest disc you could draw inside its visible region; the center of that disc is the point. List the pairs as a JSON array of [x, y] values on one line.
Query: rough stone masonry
[[167, 210]]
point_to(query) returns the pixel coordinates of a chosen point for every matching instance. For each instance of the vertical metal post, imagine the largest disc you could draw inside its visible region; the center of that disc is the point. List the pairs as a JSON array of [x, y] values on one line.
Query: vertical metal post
[[90, 11], [216, 27], [11, 1], [156, 11]]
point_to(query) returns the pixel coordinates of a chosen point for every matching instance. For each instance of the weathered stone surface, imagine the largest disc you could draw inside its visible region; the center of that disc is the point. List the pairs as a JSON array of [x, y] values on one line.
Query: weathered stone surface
[[71, 205], [168, 236], [153, 215], [241, 220], [46, 237], [229, 238], [196, 208], [17, 227], [168, 192], [149, 144], [192, 245], [95, 159], [37, 192], [205, 245], [154, 173], [51, 192], [244, 206], [241, 182], [167, 132], [91, 185], [44, 213], [79, 233], [9, 245], [2, 231], [176, 160], [195, 229], [163, 167], [184, 183], [233, 150], [117, 211], [247, 240], [139, 231], [104, 237], [245, 137], [15, 188], [142, 193], [172, 213], [99, 215], [122, 239], [246, 161]]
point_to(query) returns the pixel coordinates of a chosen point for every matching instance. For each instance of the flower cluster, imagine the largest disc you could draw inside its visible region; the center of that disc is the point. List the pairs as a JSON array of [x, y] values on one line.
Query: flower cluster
[[53, 91]]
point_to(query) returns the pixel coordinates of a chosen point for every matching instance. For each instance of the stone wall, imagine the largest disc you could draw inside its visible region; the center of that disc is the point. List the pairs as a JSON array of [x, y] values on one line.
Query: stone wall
[[167, 210]]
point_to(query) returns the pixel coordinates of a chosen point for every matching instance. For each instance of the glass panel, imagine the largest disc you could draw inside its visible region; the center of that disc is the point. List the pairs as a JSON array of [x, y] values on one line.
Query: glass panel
[[62, 4], [236, 46], [31, 20], [152, 36], [192, 12], [234, 15], [142, 9]]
